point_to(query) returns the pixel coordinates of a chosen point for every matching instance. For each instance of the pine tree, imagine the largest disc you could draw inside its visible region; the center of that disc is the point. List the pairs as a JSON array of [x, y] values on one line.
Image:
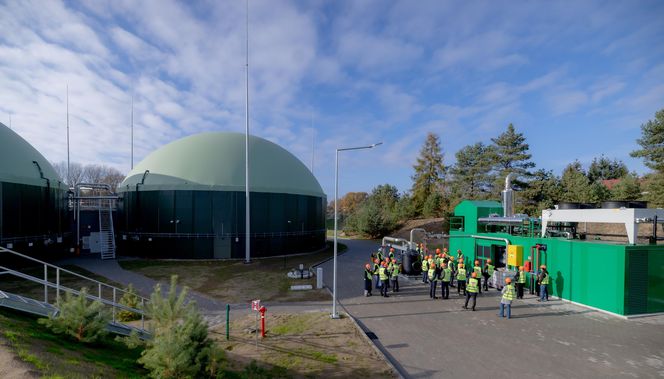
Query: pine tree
[[652, 142], [543, 192], [80, 318], [429, 171], [471, 174], [628, 188], [575, 184], [511, 155], [180, 346], [652, 151], [605, 169], [129, 299]]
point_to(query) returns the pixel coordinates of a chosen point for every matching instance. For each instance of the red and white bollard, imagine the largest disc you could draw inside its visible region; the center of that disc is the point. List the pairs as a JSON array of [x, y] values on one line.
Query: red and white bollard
[[262, 310]]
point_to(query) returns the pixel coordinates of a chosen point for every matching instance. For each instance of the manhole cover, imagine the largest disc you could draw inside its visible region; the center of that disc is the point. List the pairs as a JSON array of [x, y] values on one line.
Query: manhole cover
[[372, 335]]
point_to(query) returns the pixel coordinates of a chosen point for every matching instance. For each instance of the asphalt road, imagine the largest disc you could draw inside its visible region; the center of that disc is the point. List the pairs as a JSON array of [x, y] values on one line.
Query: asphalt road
[[427, 338]]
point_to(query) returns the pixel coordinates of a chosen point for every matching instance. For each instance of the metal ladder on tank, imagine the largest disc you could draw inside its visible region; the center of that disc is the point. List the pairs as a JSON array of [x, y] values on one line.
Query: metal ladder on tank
[[108, 295], [106, 234]]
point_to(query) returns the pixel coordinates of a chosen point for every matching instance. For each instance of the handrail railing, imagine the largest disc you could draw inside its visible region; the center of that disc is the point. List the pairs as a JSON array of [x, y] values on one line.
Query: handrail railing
[[100, 285]]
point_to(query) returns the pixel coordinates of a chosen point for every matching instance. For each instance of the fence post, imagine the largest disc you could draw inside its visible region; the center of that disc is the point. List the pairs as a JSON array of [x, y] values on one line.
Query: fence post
[[45, 284], [57, 284], [228, 321], [99, 291], [114, 304], [143, 313]]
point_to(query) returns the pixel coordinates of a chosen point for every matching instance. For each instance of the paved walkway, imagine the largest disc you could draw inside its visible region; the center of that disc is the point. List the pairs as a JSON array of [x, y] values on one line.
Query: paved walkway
[[213, 310], [438, 339]]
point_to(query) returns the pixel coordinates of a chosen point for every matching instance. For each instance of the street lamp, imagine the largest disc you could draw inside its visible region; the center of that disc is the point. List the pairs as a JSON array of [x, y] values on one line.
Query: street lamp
[[336, 196]]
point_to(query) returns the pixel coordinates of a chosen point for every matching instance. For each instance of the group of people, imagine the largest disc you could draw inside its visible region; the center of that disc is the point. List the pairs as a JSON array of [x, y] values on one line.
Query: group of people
[[384, 272], [445, 268]]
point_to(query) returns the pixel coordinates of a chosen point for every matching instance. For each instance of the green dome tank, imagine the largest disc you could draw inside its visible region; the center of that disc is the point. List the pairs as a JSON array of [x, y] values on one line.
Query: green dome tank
[[187, 200]]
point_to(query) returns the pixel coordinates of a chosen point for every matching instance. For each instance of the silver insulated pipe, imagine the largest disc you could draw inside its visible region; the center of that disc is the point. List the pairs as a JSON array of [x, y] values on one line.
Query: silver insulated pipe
[[508, 196]]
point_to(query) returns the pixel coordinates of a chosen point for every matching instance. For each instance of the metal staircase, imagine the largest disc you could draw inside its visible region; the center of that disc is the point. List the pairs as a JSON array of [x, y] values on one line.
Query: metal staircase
[[106, 294], [106, 234]]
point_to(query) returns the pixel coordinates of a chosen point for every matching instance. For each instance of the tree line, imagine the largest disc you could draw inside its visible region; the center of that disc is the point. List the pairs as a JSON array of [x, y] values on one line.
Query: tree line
[[479, 173], [91, 173]]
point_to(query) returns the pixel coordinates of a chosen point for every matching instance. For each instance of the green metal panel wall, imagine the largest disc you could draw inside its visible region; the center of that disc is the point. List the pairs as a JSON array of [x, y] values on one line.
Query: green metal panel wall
[[281, 223], [645, 289], [32, 214], [585, 272], [656, 279]]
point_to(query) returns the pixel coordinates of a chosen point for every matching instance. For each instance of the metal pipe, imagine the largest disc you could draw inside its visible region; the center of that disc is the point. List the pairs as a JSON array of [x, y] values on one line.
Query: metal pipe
[[415, 230]]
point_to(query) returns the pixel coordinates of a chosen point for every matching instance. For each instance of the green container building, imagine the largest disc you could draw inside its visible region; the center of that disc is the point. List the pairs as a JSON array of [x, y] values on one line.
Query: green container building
[[187, 200], [620, 278], [33, 199]]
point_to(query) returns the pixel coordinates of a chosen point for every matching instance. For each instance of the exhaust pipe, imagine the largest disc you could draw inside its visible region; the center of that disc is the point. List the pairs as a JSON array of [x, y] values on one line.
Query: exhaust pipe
[[508, 196]]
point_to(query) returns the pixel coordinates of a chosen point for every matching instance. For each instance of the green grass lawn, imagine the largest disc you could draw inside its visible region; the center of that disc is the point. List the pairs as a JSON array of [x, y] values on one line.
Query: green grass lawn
[[59, 357], [236, 282]]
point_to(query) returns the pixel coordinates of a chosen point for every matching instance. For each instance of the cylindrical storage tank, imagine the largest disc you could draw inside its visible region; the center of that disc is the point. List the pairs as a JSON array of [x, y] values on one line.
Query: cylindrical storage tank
[[614, 204], [187, 200], [33, 200], [411, 263]]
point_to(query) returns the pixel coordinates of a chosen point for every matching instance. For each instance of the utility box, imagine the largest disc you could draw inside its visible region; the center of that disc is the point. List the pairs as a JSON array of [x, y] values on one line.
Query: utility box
[[515, 255]]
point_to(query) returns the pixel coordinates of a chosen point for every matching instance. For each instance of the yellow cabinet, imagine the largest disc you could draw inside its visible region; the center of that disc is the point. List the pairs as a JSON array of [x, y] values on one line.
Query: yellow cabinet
[[515, 255]]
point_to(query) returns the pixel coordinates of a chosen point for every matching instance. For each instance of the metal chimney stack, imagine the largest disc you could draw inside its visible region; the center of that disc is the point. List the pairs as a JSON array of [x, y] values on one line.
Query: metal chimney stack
[[508, 197]]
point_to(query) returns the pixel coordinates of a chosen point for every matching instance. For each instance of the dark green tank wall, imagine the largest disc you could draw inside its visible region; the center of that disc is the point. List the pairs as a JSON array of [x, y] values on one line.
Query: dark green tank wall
[[33, 218], [211, 224]]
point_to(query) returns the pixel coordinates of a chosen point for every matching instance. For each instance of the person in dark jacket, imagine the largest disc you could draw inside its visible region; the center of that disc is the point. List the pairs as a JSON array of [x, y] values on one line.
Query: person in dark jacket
[[368, 277], [543, 281]]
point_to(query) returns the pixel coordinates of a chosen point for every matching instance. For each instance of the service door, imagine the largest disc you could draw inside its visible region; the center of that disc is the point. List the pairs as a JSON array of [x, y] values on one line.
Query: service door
[[222, 242]]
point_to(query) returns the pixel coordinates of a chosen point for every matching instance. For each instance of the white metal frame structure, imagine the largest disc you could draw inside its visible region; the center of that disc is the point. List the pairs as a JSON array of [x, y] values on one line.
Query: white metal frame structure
[[46, 307], [630, 217]]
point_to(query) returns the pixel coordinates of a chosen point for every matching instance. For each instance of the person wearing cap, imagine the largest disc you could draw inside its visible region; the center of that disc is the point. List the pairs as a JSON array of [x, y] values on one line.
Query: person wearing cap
[[425, 269], [376, 266], [388, 266], [471, 290], [445, 277], [478, 273], [384, 278], [520, 279], [461, 279], [506, 300], [459, 254], [368, 277], [433, 280], [391, 253], [543, 281], [488, 273], [394, 275]]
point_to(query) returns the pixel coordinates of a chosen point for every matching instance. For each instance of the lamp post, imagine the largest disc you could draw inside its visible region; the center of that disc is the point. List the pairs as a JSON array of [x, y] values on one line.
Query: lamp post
[[335, 314]]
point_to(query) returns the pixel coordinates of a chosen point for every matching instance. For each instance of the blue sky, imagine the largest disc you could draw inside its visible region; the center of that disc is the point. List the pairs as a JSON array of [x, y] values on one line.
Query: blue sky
[[578, 78]]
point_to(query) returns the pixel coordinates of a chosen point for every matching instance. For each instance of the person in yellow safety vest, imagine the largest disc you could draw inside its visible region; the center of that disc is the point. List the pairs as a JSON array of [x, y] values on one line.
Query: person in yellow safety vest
[[506, 300], [368, 277], [478, 271], [388, 264], [543, 281], [433, 280], [394, 275], [391, 253], [425, 270], [446, 276], [376, 266], [461, 279], [471, 290], [459, 255], [520, 278], [383, 275], [488, 273]]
